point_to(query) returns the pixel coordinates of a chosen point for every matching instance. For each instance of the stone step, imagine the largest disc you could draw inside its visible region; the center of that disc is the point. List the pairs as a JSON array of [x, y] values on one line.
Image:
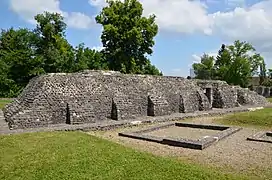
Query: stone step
[[3, 124]]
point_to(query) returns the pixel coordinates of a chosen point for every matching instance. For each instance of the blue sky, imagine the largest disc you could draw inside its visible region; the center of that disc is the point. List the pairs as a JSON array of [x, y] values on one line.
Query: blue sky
[[187, 28]]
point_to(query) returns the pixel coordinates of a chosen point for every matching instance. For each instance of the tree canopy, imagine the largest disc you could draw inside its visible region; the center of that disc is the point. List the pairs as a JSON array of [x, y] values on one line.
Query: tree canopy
[[127, 37], [234, 64]]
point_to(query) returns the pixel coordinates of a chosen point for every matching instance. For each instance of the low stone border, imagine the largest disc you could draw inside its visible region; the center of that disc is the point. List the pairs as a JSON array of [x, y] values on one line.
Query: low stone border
[[199, 144], [111, 124], [260, 137]]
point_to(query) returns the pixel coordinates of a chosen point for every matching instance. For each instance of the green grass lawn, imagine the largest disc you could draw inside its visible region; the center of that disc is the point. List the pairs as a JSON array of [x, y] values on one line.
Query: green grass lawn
[[269, 99], [259, 118], [4, 101], [76, 155]]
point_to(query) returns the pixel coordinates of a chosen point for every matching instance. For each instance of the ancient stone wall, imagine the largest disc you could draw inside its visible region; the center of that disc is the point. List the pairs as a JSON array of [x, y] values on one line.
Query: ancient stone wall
[[264, 91], [94, 96]]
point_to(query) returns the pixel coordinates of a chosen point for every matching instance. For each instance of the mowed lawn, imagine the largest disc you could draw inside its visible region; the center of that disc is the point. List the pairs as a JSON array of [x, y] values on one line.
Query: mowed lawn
[[4, 101], [76, 155], [269, 99], [259, 118]]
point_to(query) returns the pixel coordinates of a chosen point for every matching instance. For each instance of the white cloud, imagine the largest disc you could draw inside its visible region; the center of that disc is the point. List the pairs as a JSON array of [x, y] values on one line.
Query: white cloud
[[98, 48], [27, 9], [183, 16], [97, 3], [180, 16], [253, 24], [196, 58], [79, 20]]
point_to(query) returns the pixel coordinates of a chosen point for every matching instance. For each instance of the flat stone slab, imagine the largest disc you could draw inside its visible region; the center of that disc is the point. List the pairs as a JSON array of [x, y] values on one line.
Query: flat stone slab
[[263, 136], [200, 144]]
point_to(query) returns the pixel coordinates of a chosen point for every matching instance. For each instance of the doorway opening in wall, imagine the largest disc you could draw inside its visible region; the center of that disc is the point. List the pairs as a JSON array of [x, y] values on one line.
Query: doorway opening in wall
[[114, 113], [208, 93], [68, 115]]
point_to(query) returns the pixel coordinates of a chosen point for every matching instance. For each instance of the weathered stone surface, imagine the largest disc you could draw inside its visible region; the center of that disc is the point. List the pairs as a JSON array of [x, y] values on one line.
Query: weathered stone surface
[[264, 91], [261, 137], [112, 124], [95, 96]]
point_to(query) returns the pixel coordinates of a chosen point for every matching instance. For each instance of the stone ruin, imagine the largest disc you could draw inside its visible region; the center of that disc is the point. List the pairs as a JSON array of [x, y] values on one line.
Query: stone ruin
[[96, 96], [264, 91]]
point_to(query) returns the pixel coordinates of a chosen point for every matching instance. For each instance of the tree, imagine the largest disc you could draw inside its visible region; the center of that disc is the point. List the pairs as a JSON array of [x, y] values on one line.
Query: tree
[[204, 69], [262, 72], [151, 69], [222, 63], [86, 58], [52, 46], [127, 36], [18, 60], [234, 64]]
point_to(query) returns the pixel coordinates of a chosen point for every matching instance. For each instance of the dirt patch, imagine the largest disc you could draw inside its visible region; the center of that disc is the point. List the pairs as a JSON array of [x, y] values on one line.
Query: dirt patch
[[233, 154]]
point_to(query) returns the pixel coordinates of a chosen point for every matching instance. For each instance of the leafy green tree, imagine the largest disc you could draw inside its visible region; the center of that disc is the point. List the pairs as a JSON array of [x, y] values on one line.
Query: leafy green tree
[[151, 69], [86, 58], [18, 60], [237, 69], [262, 65], [204, 69], [80, 59], [127, 36], [52, 46], [234, 64], [222, 63], [95, 59]]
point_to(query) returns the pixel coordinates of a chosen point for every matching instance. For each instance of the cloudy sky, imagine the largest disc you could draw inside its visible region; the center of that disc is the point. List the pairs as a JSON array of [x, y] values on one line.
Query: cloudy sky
[[187, 28]]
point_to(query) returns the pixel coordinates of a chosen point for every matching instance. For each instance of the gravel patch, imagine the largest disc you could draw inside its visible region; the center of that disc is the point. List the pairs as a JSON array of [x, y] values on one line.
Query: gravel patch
[[232, 154], [185, 132], [268, 138]]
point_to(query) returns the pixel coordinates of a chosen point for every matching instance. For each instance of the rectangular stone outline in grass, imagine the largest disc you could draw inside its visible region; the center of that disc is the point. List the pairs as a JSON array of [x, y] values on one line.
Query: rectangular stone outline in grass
[[259, 137], [199, 144]]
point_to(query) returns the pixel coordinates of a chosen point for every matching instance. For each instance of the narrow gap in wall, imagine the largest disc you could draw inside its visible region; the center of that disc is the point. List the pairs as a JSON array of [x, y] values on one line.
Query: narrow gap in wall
[[68, 114], [181, 105], [114, 113], [150, 107]]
